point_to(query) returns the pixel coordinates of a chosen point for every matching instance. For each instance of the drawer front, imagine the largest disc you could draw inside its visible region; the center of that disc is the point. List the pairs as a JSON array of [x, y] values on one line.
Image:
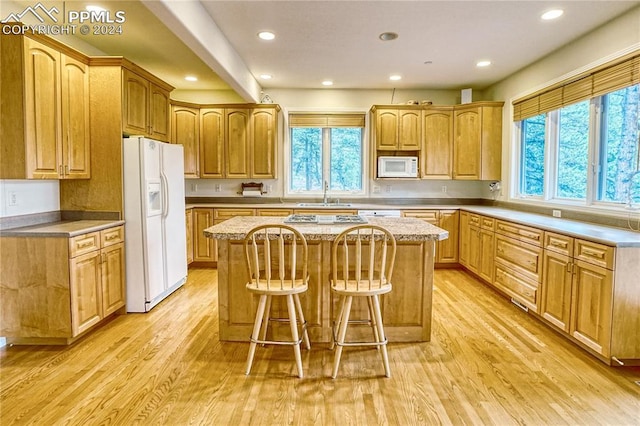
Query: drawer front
[[488, 223], [275, 212], [112, 236], [430, 216], [558, 243], [515, 255], [84, 243], [229, 213], [516, 286], [520, 232], [594, 253], [474, 220]]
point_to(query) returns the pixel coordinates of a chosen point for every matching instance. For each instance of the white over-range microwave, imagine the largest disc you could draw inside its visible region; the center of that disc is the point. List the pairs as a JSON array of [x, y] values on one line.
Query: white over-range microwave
[[398, 167]]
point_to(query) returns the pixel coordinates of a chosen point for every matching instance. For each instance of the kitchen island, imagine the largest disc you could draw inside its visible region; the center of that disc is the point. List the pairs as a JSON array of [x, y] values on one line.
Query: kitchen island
[[406, 310]]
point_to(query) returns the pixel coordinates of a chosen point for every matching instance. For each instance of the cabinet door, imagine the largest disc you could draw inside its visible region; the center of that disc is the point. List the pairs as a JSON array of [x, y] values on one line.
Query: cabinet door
[[386, 129], [188, 221], [212, 131], [237, 143], [447, 250], [185, 130], [409, 130], [485, 262], [555, 290], [113, 278], [465, 235], [437, 149], [473, 261], [203, 247], [263, 135], [76, 158], [591, 306], [86, 291], [467, 142], [135, 108], [42, 111], [158, 113]]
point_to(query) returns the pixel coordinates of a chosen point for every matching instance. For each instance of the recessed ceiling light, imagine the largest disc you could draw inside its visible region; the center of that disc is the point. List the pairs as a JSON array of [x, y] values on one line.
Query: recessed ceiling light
[[327, 83], [388, 36], [91, 8], [483, 64], [395, 77], [266, 35], [191, 78], [266, 76], [552, 14]]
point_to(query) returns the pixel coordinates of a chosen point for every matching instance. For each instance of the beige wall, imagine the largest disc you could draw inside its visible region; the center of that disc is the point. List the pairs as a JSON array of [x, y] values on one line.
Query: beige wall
[[611, 40]]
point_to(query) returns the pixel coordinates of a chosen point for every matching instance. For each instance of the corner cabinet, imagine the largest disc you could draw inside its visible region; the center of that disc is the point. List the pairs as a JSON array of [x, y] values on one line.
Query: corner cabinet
[[76, 283], [477, 144], [145, 108], [238, 141], [45, 113], [446, 250]]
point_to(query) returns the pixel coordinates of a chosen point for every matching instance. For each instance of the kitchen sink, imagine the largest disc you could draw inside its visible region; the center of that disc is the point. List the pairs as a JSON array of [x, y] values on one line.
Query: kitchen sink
[[324, 205]]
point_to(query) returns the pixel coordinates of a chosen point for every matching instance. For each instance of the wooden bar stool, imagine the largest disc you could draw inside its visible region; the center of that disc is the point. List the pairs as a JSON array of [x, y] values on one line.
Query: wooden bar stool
[[362, 259], [276, 258]]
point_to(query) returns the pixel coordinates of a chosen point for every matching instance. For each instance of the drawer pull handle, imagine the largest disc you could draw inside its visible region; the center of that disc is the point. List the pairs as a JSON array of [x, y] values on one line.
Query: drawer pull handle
[[588, 252], [111, 237], [85, 244]]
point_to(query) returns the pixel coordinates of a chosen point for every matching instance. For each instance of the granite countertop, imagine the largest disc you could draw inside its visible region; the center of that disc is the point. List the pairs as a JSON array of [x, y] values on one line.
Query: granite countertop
[[402, 228], [589, 231], [61, 229]]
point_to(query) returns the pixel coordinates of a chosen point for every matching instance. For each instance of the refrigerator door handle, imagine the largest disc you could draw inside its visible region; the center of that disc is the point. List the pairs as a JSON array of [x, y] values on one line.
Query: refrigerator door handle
[[165, 195]]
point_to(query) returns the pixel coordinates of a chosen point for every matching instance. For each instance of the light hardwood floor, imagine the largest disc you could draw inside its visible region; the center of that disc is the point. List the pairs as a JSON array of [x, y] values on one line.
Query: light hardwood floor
[[487, 363]]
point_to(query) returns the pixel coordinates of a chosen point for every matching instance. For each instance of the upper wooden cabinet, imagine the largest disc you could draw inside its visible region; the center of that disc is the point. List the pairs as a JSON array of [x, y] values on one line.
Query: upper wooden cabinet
[[185, 130], [145, 109], [397, 128], [45, 110], [477, 145], [212, 134], [237, 145], [437, 143]]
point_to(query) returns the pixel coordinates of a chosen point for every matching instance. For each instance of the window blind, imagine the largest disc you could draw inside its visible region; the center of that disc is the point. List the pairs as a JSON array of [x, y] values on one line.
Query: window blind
[[615, 75], [326, 120]]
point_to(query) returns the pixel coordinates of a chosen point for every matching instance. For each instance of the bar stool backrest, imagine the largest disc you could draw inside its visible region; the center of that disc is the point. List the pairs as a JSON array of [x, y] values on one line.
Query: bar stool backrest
[[364, 256], [276, 256]]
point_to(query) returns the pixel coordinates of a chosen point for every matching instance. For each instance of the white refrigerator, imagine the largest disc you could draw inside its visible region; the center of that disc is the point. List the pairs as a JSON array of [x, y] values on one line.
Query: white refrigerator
[[155, 235]]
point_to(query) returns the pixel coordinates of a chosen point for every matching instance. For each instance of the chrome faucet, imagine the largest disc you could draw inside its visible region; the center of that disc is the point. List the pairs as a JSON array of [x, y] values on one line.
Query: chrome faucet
[[325, 200]]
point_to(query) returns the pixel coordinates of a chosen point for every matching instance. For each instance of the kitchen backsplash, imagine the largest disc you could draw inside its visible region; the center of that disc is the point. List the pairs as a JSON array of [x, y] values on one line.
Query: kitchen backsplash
[[21, 197]]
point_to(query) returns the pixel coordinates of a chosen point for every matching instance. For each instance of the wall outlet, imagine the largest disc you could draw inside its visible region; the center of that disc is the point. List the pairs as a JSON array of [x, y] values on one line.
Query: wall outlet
[[557, 213], [194, 187], [444, 188], [218, 187], [269, 189], [387, 189], [13, 198], [376, 189]]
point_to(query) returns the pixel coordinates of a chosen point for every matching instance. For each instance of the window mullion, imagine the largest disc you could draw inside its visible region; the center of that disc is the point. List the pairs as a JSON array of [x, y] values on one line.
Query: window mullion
[[551, 155], [595, 148], [326, 156]]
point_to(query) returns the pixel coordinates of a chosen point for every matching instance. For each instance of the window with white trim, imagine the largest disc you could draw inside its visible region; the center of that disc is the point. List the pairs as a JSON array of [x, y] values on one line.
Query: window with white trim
[[580, 141]]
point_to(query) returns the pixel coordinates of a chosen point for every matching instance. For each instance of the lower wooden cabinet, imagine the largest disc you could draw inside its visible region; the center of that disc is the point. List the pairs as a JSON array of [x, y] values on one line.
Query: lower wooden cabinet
[[446, 250], [204, 249], [188, 221], [55, 289]]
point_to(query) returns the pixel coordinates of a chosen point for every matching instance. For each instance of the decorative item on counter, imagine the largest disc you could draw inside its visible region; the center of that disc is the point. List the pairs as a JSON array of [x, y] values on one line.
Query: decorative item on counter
[[412, 102], [252, 189], [426, 102], [266, 99]]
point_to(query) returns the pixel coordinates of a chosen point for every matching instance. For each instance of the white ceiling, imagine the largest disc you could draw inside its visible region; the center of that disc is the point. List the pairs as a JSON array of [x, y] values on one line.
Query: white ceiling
[[338, 40]]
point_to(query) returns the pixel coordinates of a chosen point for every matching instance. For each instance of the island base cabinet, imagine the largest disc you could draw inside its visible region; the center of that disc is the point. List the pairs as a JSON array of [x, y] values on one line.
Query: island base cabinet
[[406, 310]]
